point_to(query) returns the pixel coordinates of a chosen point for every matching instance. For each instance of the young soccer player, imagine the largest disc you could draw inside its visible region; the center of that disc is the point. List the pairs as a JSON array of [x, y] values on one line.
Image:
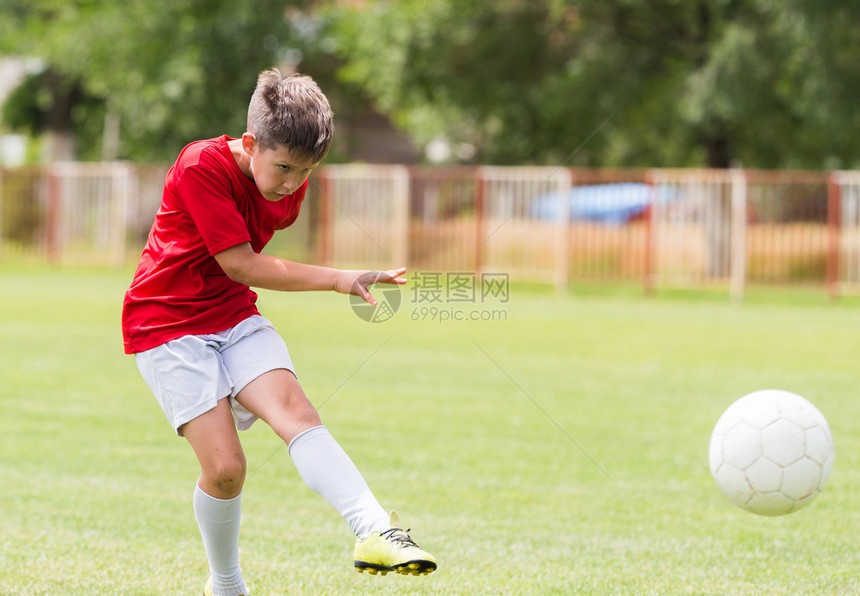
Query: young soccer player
[[212, 361]]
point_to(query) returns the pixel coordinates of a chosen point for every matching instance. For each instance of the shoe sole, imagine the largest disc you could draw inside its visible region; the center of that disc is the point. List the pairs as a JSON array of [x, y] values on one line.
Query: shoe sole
[[420, 567]]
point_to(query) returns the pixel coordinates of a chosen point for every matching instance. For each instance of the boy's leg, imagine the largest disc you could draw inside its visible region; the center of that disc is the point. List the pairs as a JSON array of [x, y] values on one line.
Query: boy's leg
[[217, 495], [277, 398]]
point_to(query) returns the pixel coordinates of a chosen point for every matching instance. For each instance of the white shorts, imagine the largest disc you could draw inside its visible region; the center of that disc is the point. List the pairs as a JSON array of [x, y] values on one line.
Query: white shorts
[[190, 374]]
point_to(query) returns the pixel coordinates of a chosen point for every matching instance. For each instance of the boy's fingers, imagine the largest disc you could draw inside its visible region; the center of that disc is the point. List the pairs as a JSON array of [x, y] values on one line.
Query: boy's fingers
[[392, 276], [360, 286], [365, 295], [378, 277], [360, 289]]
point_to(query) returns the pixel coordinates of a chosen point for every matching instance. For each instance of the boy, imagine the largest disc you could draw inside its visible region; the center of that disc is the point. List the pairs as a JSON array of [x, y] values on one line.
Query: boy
[[213, 363]]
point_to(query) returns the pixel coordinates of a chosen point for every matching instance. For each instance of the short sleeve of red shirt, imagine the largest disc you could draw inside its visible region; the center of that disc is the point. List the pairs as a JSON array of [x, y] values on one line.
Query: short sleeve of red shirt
[[208, 205], [205, 191]]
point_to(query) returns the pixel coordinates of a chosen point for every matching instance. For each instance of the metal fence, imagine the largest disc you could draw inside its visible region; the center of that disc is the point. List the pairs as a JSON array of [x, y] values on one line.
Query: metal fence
[[658, 227], [77, 212]]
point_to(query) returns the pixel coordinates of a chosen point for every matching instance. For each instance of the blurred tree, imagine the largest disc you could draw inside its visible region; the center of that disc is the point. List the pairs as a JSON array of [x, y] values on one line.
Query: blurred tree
[[169, 71], [702, 82], [633, 82]]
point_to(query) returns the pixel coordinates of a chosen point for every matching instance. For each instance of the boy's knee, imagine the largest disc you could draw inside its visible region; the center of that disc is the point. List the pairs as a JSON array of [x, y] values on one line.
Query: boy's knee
[[227, 474]]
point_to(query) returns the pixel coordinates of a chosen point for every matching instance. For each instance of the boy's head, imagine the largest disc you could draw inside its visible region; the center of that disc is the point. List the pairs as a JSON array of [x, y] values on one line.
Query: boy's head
[[291, 112]]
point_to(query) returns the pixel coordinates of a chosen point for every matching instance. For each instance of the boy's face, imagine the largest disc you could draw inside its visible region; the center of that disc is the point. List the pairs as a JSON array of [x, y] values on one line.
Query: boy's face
[[275, 171]]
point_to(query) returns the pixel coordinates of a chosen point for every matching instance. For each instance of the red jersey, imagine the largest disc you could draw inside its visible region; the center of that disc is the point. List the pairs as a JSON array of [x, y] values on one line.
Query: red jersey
[[208, 205]]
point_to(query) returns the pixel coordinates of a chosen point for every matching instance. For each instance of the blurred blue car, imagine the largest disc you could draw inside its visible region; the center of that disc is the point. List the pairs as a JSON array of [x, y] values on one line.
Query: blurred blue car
[[611, 204]]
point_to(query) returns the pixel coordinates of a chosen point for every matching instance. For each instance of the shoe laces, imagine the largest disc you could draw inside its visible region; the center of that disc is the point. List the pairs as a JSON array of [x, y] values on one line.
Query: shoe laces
[[400, 536]]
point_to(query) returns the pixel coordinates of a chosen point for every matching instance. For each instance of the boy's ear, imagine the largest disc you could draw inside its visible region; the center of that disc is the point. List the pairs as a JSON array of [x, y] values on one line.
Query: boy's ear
[[249, 143]]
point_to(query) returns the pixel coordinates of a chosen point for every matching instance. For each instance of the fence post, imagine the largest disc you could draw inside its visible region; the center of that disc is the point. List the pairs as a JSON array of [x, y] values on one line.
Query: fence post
[[400, 215], [121, 177], [54, 204], [562, 264], [480, 211], [649, 273], [738, 259], [324, 240], [834, 216]]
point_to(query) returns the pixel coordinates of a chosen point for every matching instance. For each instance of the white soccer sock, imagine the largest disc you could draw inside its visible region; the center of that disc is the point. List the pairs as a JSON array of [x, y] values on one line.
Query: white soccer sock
[[327, 469], [218, 520]]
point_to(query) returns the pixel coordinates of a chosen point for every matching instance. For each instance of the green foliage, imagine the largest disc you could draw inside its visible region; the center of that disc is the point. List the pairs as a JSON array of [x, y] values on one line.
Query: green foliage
[[710, 82], [48, 101], [175, 70], [583, 82], [26, 107]]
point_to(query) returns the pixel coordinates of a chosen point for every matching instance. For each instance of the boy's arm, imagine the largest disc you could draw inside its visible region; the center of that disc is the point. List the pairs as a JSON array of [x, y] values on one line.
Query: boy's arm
[[243, 265]]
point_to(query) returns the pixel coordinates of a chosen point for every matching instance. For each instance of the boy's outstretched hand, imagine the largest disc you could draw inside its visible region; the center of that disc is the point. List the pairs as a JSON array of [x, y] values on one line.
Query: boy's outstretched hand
[[356, 282]]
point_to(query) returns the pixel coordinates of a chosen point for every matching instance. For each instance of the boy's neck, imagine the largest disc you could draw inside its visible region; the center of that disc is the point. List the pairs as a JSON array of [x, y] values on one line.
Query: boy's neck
[[242, 158]]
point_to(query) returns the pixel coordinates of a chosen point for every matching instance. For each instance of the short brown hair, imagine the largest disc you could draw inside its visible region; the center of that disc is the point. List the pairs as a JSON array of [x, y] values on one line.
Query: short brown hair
[[291, 111]]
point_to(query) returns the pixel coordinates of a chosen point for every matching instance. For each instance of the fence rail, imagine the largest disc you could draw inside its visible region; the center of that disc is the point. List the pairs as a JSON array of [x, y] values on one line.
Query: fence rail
[[660, 227]]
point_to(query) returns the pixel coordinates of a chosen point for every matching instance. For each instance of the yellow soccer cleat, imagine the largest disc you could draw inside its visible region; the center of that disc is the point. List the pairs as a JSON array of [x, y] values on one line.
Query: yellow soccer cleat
[[392, 550], [207, 589]]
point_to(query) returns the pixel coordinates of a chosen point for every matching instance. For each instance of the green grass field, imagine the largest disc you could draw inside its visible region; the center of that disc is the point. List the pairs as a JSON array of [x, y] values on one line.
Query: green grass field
[[561, 451]]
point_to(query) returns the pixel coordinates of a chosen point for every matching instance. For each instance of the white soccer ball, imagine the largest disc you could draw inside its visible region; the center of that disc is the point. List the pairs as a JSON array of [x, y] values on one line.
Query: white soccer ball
[[771, 452]]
